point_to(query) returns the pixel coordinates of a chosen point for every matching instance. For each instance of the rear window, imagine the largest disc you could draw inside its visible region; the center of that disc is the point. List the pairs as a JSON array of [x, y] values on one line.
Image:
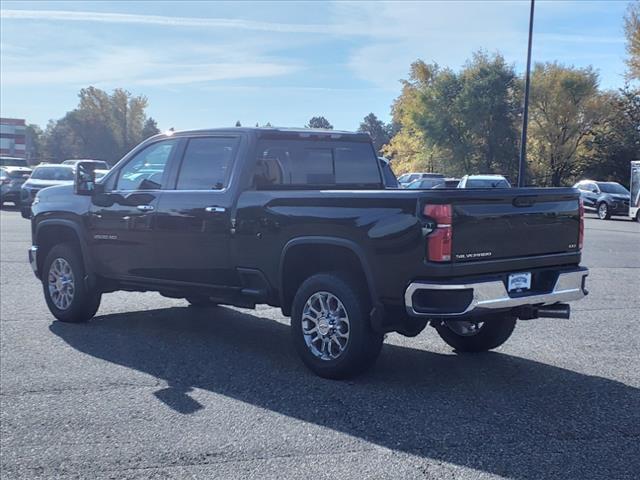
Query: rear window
[[16, 173], [487, 184], [52, 173], [427, 183], [305, 163]]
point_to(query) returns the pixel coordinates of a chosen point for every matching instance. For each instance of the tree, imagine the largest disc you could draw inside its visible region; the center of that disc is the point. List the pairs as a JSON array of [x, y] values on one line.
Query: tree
[[408, 148], [238, 124], [379, 132], [150, 128], [632, 32], [458, 123], [103, 126], [33, 145], [565, 107], [319, 122], [616, 140], [470, 116]]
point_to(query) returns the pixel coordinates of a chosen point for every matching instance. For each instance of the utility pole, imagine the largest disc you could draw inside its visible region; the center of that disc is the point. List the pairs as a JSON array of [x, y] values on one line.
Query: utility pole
[[522, 169], [125, 140]]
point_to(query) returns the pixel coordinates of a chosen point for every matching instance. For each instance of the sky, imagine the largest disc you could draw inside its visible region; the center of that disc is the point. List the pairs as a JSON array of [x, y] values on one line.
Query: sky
[[208, 64]]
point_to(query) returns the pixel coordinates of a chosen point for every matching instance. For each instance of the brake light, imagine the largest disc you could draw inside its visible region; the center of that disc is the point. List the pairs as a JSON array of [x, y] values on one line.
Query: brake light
[[581, 233], [439, 241]]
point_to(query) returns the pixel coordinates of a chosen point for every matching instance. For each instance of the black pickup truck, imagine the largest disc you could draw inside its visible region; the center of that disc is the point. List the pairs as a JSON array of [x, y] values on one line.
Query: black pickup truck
[[301, 220]]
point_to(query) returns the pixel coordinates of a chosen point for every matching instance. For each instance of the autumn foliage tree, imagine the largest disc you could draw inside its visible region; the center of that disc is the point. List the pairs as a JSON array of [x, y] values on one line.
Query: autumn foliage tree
[[632, 33], [565, 110], [103, 126]]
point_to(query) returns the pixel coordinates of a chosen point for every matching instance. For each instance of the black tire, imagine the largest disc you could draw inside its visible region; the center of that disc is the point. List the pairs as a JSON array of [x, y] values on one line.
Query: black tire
[[200, 301], [493, 333], [25, 212], [603, 211], [363, 345], [85, 302]]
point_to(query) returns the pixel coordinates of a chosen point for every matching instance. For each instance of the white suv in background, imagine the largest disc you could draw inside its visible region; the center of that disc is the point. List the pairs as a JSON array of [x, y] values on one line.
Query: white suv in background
[[484, 181]]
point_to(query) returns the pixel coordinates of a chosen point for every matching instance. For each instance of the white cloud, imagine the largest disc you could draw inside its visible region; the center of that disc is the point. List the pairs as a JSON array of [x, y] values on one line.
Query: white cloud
[[132, 66], [124, 18], [448, 32]]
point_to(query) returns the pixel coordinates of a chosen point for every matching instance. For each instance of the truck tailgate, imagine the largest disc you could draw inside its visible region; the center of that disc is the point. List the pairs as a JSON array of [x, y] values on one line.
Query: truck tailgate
[[508, 223]]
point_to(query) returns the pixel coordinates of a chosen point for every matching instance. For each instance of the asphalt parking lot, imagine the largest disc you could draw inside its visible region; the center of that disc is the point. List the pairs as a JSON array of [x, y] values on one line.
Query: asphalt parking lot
[[152, 388]]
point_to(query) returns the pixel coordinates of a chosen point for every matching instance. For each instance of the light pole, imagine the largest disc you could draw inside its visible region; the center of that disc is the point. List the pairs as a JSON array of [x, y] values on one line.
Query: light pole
[[522, 168]]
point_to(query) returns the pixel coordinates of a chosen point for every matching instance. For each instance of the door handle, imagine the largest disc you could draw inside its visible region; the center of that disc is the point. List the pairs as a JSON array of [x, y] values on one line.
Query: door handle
[[215, 209], [145, 208]]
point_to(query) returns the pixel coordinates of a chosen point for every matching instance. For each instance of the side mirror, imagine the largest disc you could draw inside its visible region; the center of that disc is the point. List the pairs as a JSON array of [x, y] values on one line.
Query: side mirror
[[595, 190], [84, 182]]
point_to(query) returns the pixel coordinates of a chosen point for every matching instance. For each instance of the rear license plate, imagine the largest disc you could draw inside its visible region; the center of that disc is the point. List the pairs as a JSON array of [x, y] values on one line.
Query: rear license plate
[[519, 282]]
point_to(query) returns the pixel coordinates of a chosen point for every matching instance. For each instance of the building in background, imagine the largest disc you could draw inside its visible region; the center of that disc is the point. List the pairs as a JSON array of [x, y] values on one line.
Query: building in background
[[13, 132]]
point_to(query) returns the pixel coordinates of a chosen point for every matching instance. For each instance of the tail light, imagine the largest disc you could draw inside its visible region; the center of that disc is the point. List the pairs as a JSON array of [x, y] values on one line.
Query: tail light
[[581, 233], [439, 241]]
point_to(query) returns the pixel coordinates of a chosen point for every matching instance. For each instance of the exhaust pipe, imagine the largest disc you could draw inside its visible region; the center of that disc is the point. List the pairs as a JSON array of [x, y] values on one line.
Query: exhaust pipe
[[558, 310]]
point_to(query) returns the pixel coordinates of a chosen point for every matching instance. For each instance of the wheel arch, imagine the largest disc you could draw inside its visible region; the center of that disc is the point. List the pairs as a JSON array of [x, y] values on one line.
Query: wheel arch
[[49, 233], [325, 254]]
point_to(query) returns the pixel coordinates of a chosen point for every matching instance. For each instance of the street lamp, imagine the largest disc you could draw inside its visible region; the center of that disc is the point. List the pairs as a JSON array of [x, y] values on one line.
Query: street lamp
[[525, 115]]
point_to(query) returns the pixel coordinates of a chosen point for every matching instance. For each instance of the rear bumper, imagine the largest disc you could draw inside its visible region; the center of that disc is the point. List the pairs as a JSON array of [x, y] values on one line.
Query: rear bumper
[[483, 297], [11, 196]]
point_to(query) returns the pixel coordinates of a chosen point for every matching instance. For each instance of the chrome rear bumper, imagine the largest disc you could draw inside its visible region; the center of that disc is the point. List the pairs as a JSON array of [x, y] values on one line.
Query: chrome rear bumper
[[493, 295]]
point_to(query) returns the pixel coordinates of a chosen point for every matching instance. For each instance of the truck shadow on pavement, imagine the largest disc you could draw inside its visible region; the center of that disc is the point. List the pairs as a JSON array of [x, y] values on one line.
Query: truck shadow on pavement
[[492, 412]]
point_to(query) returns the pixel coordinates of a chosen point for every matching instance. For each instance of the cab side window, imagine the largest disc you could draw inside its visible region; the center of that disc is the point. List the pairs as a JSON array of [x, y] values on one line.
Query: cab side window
[[145, 171], [207, 163], [285, 163], [590, 187]]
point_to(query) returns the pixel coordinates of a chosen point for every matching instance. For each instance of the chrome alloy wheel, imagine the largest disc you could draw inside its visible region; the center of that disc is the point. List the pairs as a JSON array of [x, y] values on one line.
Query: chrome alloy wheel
[[465, 328], [61, 283], [603, 210], [325, 325]]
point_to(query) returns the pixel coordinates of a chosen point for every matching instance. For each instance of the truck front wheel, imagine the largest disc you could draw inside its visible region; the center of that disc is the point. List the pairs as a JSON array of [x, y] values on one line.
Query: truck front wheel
[[65, 290], [477, 336], [330, 326]]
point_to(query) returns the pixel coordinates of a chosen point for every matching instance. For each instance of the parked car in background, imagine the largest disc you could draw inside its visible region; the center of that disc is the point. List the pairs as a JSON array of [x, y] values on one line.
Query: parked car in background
[[449, 183], [407, 178], [484, 181], [425, 183], [100, 173], [13, 162], [390, 180], [604, 198], [43, 176], [11, 179], [100, 164]]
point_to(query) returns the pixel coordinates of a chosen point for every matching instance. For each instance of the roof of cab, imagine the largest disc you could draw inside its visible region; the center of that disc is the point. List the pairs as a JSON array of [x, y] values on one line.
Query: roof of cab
[[276, 132]]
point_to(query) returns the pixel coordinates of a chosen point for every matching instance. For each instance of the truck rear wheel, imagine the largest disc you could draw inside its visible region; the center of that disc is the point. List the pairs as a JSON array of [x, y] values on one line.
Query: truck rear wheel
[[477, 336], [330, 326], [65, 290]]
